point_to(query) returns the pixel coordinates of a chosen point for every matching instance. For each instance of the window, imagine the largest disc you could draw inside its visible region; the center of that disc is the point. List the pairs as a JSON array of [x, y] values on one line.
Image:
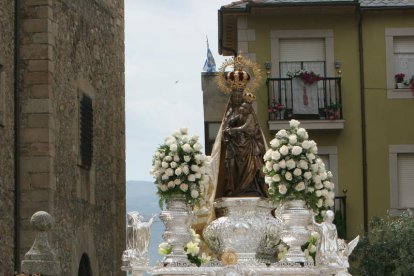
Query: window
[[401, 161], [86, 131], [311, 50], [400, 60]]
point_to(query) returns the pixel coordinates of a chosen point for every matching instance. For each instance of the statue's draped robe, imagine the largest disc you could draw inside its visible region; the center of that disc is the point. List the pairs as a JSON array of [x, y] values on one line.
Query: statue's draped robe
[[247, 171]]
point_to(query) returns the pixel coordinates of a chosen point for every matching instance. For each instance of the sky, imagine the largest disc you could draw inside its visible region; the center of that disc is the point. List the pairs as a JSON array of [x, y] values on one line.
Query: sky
[[165, 50]]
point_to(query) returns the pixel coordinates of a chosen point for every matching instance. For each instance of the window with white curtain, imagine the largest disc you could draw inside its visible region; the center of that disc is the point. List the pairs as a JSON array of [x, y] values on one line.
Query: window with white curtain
[[401, 162], [404, 56]]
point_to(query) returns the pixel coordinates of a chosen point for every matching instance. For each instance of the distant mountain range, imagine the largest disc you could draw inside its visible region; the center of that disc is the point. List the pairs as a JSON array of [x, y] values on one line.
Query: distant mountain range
[[141, 196]]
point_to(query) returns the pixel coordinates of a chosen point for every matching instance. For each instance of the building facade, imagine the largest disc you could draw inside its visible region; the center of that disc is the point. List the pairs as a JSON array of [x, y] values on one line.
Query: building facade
[[355, 110], [66, 114]]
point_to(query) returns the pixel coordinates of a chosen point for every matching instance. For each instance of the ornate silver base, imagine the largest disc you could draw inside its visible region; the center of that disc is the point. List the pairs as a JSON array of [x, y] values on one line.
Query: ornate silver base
[[177, 219], [295, 218], [246, 228]]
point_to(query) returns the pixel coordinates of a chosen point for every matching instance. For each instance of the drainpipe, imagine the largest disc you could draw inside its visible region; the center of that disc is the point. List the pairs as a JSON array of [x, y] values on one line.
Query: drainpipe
[[16, 135], [363, 121]]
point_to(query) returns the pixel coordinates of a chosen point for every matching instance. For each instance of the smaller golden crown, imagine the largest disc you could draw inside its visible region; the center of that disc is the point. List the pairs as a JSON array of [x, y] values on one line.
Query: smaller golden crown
[[237, 79], [249, 97]]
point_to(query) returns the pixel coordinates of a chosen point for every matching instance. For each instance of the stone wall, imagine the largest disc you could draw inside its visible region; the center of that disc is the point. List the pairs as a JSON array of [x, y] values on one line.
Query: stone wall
[[71, 48], [6, 137]]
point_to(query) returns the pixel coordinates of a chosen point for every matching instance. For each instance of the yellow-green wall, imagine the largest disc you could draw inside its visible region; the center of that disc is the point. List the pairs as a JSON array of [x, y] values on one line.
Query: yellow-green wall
[[389, 121], [348, 140]]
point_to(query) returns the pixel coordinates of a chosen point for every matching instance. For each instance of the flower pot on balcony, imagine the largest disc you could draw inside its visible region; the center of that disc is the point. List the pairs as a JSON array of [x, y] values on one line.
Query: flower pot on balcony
[[401, 85]]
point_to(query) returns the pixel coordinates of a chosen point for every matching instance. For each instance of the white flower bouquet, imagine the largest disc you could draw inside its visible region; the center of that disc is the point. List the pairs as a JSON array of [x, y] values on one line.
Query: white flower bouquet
[[293, 170], [179, 167]]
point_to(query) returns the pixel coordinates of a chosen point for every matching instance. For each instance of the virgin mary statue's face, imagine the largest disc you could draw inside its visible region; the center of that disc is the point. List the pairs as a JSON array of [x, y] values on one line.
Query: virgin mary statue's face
[[236, 98]]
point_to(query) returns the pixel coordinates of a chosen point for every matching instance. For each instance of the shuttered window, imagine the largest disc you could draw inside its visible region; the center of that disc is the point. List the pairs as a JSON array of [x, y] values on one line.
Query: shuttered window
[[86, 131], [404, 55], [302, 53], [406, 180]]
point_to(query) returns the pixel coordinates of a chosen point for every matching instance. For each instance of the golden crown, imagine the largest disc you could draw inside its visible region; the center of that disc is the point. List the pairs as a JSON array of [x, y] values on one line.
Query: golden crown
[[239, 78]]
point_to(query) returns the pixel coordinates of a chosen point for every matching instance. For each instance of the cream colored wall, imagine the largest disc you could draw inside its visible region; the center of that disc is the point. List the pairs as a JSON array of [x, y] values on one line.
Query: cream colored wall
[[348, 141], [389, 121]]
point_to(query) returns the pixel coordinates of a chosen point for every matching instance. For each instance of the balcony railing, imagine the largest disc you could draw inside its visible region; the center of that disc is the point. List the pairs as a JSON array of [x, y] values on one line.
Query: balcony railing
[[293, 99]]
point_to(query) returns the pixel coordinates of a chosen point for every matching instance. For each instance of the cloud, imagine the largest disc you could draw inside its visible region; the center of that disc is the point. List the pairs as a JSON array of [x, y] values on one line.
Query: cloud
[[165, 43]]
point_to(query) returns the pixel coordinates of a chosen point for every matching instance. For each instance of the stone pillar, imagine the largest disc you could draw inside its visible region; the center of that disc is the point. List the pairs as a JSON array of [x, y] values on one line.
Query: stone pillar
[[41, 258]]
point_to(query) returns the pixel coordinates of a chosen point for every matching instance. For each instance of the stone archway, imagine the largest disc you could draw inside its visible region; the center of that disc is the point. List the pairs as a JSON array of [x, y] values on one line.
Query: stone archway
[[84, 266]]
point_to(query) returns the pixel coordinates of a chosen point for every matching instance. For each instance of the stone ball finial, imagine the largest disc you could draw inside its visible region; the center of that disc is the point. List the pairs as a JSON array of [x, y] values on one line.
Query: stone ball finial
[[42, 221]]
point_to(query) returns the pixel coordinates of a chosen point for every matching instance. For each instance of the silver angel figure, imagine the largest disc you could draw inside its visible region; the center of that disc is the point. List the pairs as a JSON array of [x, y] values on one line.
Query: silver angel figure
[[138, 237]]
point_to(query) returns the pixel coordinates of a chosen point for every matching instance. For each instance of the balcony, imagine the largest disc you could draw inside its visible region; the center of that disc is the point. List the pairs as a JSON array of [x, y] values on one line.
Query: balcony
[[317, 105]]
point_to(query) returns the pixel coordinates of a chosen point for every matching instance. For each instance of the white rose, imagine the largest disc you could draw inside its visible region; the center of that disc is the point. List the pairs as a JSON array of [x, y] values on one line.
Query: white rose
[[268, 179], [320, 201], [312, 248], [268, 155], [315, 235], [184, 187], [195, 137], [191, 178], [187, 148], [276, 178], [178, 171], [195, 168], [324, 175], [194, 194], [310, 156], [197, 146], [306, 145], [171, 184], [290, 164], [317, 179], [296, 150], [314, 150], [307, 175], [329, 202], [311, 189], [282, 189], [163, 188], [169, 140], [173, 165], [318, 193], [274, 143], [269, 165], [292, 139], [176, 158], [275, 167], [302, 132], [185, 138], [330, 175], [282, 164], [275, 155], [318, 186], [168, 158], [187, 158], [297, 172], [177, 182], [324, 192], [164, 165], [315, 168], [197, 175], [284, 150], [294, 123], [281, 133], [331, 195], [169, 172], [300, 186], [173, 147], [164, 177], [184, 130], [288, 176], [186, 170], [303, 164]]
